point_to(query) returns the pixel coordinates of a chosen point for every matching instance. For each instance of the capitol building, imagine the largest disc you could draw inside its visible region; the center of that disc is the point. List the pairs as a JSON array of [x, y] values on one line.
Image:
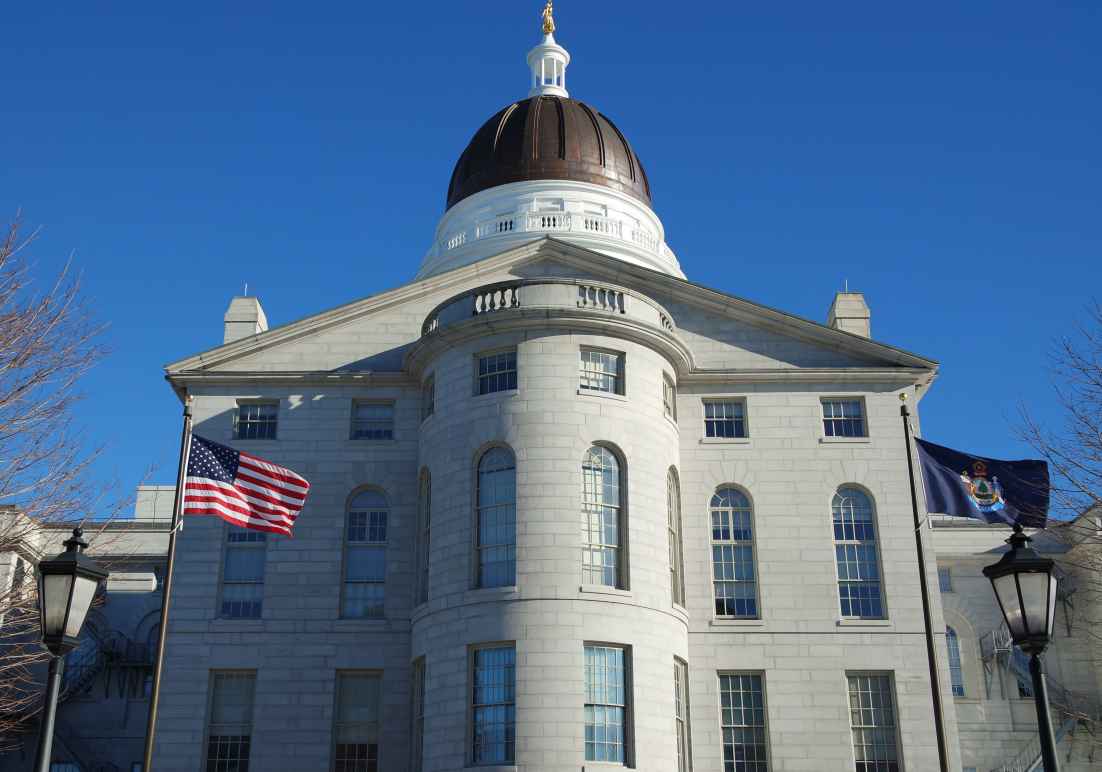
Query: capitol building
[[571, 511]]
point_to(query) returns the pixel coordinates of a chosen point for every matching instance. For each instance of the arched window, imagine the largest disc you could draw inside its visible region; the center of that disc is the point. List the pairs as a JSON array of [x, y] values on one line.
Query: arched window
[[856, 553], [733, 576], [497, 518], [365, 555], [956, 672], [424, 523], [601, 512], [673, 526]]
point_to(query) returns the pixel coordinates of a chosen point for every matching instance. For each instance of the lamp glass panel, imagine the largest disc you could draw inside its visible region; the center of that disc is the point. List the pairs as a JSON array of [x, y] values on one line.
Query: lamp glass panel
[[54, 602], [1006, 588], [1051, 605], [1035, 597], [83, 592]]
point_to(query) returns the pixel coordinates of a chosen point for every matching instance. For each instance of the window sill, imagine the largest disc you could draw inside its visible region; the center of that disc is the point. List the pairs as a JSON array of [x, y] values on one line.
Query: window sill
[[845, 440], [497, 394], [491, 767], [365, 621], [737, 622], [864, 623], [602, 395], [596, 589], [365, 441], [725, 441], [491, 593]]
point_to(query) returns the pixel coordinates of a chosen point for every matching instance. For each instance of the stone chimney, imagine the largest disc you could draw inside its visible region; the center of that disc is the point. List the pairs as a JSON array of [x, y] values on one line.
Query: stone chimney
[[850, 313], [244, 318]]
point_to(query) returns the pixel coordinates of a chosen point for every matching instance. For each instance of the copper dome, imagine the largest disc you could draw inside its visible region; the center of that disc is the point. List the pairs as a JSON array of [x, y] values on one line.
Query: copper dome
[[548, 138]]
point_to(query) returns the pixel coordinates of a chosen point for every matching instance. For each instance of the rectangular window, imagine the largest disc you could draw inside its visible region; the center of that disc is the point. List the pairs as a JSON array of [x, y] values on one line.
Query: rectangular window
[[945, 579], [872, 721], [669, 397], [681, 714], [602, 371], [497, 372], [742, 720], [372, 421], [606, 704], [243, 573], [493, 705], [428, 397], [844, 418], [733, 577], [365, 562], [256, 421], [356, 722], [417, 749], [725, 419], [230, 721]]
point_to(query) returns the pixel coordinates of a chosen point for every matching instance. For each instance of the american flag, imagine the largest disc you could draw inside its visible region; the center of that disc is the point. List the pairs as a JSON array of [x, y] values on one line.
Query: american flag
[[241, 488]]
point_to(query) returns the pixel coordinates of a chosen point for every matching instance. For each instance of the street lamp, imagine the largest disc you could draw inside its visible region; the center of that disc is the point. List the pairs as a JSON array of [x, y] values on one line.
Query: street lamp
[[66, 586], [1026, 590]]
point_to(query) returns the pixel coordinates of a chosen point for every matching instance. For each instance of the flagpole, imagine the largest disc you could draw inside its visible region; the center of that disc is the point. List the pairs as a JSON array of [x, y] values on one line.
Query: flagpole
[[166, 598], [931, 652]]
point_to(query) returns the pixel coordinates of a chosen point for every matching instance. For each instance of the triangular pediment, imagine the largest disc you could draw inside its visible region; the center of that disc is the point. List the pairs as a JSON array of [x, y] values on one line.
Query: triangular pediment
[[724, 333]]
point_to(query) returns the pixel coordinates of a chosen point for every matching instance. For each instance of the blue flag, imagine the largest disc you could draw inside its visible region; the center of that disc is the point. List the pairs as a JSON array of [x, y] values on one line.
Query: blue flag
[[1012, 492]]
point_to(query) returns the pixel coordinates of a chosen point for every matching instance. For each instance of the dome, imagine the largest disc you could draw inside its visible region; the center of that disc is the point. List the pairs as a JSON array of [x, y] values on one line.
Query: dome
[[549, 138]]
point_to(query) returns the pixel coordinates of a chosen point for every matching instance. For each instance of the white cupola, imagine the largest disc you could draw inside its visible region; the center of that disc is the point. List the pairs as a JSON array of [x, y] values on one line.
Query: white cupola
[[548, 61]]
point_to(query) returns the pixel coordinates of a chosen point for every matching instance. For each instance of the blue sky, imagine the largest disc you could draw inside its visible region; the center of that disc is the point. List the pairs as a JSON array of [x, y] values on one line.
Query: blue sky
[[941, 157]]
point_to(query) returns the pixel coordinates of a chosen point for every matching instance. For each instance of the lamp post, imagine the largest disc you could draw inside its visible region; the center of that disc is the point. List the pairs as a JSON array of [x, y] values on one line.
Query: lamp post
[[66, 586], [1026, 590]]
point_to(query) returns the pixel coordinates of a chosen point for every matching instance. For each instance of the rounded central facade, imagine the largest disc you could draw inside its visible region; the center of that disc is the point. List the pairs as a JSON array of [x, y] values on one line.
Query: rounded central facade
[[549, 138]]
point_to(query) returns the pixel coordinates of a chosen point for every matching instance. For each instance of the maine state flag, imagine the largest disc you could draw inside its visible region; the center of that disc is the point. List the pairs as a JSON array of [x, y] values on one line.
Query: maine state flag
[[1012, 492]]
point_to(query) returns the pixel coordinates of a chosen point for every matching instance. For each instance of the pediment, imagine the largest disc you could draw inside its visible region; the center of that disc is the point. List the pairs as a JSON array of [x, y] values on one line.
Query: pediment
[[725, 334]]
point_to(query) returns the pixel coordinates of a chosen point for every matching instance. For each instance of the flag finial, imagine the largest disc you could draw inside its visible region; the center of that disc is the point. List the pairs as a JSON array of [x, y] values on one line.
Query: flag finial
[[549, 18]]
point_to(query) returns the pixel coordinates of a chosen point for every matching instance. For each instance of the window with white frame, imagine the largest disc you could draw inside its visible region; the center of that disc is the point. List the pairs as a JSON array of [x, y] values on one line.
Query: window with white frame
[[857, 555], [945, 580], [956, 671], [673, 530], [742, 720], [424, 531], [365, 542], [669, 397], [428, 397], [230, 721], [417, 711], [256, 421], [372, 420], [681, 715], [497, 518], [725, 419], [844, 418], [356, 722], [601, 513], [493, 705], [873, 723], [497, 372], [606, 704], [733, 575], [602, 371], [243, 573]]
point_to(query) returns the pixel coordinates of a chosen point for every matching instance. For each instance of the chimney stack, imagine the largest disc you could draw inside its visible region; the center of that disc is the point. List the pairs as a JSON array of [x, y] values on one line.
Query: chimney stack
[[244, 318], [850, 313]]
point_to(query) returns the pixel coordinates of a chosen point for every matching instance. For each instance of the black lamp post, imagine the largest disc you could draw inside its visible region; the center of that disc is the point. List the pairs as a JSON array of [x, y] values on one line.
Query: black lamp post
[[66, 586], [1026, 590]]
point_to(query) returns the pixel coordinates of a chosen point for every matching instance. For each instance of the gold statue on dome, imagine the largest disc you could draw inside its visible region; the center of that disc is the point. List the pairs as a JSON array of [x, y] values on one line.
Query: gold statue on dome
[[548, 18]]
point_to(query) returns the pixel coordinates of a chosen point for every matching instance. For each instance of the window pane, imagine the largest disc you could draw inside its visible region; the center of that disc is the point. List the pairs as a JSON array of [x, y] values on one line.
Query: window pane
[[602, 371], [493, 695], [956, 672], [497, 372], [681, 714], [428, 398], [673, 526], [497, 518], [243, 574], [229, 729], [418, 750], [605, 705], [365, 555], [600, 517], [725, 420], [356, 722], [844, 418], [872, 718], [742, 719], [257, 421], [423, 538], [372, 421], [944, 580], [856, 555], [733, 577]]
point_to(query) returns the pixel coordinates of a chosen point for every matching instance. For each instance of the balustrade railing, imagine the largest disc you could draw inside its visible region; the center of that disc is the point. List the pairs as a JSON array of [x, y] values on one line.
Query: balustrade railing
[[592, 296], [496, 299], [555, 221]]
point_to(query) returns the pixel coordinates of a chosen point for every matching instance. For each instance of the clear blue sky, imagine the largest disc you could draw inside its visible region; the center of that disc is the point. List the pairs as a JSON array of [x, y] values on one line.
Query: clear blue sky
[[943, 157]]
